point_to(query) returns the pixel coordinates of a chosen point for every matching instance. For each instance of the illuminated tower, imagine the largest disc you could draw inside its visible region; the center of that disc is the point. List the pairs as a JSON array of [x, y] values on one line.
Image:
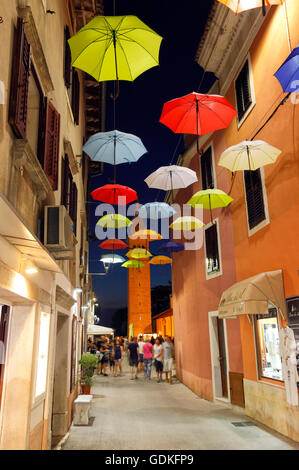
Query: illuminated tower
[[139, 295]]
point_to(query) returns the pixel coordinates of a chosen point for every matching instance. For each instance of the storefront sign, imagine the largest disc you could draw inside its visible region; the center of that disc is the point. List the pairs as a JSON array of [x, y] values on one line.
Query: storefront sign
[[293, 311]]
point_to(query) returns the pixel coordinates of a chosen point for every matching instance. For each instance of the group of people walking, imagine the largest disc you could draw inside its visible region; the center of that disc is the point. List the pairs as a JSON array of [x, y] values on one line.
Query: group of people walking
[[142, 354]]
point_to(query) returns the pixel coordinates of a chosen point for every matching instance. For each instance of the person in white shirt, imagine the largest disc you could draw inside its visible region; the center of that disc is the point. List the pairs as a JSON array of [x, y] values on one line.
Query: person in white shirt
[[158, 358], [168, 350], [141, 361]]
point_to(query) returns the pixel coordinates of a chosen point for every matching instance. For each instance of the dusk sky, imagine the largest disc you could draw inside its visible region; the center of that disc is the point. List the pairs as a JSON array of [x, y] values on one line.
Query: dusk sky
[[138, 110]]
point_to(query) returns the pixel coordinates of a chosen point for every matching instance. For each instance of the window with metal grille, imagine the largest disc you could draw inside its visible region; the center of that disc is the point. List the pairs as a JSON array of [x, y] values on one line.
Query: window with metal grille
[[212, 250], [243, 91], [51, 143], [206, 164], [254, 197]]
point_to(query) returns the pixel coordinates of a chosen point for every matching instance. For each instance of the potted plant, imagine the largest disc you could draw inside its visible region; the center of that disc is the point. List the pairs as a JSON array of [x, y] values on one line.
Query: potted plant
[[88, 364]]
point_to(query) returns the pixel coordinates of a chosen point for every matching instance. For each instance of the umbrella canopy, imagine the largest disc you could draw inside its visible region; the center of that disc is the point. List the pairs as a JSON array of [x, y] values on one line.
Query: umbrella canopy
[[187, 223], [132, 264], [237, 6], [171, 247], [156, 210], [112, 259], [210, 199], [288, 73], [171, 177], [115, 48], [111, 193], [139, 253], [113, 245], [249, 155], [161, 260], [114, 221], [150, 235], [197, 114]]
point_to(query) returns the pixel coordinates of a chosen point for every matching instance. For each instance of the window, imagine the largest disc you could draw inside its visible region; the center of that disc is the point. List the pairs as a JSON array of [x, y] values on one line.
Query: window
[[51, 143], [69, 191], [267, 339], [4, 322], [254, 198], [71, 78], [213, 266], [206, 164], [43, 351], [35, 114], [244, 96]]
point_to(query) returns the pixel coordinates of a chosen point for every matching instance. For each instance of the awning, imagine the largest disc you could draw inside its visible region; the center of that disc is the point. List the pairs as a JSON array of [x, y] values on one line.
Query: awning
[[253, 296], [99, 330]]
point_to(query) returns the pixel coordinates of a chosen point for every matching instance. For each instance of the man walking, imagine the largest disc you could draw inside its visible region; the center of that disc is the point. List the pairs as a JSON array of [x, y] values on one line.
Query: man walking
[[147, 358], [133, 357], [168, 351]]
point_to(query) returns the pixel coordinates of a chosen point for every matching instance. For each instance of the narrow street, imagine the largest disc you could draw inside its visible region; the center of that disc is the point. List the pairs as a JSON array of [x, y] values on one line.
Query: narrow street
[[137, 415]]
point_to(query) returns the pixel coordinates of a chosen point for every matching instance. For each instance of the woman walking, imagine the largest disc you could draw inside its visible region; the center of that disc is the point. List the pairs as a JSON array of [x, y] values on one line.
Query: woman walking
[[147, 358], [158, 358], [111, 357], [118, 357]]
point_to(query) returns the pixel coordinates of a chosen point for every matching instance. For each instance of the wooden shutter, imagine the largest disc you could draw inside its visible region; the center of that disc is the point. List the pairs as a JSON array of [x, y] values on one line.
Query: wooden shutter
[[255, 198], [67, 58], [4, 321], [206, 169], [76, 97], [20, 82], [212, 253], [74, 205], [243, 93], [51, 145]]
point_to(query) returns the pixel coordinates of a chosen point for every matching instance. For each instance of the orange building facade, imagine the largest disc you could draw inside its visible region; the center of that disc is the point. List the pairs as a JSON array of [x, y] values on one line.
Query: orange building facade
[[139, 295], [258, 233], [163, 322]]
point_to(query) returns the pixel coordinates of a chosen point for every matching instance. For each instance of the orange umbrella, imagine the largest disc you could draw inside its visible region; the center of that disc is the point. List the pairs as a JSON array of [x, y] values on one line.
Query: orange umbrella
[[150, 235], [161, 260], [237, 6]]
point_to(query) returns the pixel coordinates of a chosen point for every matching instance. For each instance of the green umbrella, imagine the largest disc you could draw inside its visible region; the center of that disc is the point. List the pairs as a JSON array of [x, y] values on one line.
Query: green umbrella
[[210, 199], [132, 264], [115, 48]]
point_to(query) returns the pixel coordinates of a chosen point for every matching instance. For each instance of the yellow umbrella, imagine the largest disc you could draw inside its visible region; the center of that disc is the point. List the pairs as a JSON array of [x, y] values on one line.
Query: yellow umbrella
[[150, 235], [132, 264], [210, 199], [161, 260], [139, 253], [114, 221], [187, 223]]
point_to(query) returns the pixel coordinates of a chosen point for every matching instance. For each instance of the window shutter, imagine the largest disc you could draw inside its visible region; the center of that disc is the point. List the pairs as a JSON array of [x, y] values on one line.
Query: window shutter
[[76, 97], [67, 58], [254, 197], [243, 93], [212, 253], [20, 82], [51, 148], [206, 169]]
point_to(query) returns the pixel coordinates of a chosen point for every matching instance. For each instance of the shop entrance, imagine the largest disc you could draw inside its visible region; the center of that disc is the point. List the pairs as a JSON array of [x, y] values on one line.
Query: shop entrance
[[4, 322], [219, 356]]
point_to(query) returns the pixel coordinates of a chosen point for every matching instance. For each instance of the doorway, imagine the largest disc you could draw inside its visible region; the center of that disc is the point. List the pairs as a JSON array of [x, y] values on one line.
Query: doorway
[[219, 357], [4, 323]]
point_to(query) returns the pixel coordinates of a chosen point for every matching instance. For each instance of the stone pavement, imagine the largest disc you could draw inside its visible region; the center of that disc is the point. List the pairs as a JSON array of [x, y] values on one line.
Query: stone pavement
[[141, 415]]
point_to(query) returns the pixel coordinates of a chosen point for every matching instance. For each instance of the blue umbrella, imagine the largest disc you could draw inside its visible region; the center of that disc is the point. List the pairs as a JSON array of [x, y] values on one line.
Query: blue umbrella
[[288, 73], [114, 147], [171, 247], [156, 210]]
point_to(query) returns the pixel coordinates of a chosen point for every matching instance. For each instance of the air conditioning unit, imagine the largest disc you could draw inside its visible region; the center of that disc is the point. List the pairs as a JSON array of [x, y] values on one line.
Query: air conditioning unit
[[58, 233]]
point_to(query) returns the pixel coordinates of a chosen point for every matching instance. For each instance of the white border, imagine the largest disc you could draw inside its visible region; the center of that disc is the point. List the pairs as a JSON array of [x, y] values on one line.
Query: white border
[[251, 83], [266, 221], [211, 145], [220, 272]]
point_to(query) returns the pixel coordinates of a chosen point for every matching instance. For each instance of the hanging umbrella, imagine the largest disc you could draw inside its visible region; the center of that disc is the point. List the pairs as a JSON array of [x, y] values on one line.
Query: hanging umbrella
[[132, 264], [115, 148], [113, 245], [187, 223], [171, 177], [161, 260], [112, 259], [114, 221], [288, 73], [210, 199], [111, 193], [237, 6], [249, 155], [115, 48], [197, 114], [171, 247], [150, 235], [138, 253], [156, 210]]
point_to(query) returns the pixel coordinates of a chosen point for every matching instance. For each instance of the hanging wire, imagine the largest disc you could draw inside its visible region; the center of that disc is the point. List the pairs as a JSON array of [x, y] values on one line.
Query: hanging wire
[[288, 26]]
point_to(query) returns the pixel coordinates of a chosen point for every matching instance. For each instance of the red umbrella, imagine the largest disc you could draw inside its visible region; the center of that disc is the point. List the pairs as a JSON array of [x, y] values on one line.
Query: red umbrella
[[113, 245], [112, 192], [197, 114]]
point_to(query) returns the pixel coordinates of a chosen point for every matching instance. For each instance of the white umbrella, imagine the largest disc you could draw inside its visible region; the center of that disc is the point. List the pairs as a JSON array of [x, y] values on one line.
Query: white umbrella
[[171, 177], [249, 155]]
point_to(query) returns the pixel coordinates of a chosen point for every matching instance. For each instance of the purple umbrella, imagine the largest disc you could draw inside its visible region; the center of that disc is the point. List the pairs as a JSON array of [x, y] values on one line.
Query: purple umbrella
[[288, 73], [171, 247]]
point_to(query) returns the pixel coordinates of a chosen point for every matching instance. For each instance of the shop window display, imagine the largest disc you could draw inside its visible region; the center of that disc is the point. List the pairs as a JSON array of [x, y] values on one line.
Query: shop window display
[[268, 345]]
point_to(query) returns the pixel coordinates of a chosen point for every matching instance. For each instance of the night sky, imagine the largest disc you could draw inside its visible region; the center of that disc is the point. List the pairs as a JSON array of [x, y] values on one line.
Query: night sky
[[138, 110]]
